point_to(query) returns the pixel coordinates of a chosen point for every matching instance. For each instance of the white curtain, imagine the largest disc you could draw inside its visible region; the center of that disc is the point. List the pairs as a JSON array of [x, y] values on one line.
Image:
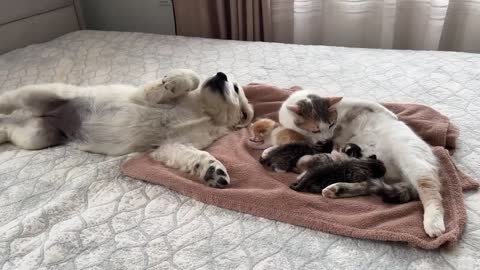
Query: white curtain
[[398, 24]]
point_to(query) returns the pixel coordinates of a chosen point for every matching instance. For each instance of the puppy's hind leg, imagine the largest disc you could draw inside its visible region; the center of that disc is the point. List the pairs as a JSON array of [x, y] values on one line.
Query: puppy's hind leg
[[193, 161], [31, 134], [38, 99]]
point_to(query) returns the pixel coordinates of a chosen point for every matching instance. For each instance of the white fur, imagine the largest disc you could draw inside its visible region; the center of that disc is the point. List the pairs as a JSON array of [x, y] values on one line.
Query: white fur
[[378, 131], [176, 115]]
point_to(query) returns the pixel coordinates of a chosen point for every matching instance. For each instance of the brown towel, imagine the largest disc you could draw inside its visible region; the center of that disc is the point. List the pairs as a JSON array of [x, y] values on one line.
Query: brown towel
[[263, 193]]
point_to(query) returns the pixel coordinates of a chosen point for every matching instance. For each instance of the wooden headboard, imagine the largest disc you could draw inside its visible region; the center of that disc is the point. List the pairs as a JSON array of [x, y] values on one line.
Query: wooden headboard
[[23, 22]]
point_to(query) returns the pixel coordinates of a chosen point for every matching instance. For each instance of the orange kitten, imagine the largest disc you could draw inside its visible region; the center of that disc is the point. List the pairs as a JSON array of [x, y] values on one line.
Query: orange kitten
[[265, 133]]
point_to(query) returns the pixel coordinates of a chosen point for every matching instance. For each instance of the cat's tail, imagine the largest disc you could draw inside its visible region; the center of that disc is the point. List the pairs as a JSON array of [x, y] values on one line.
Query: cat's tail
[[376, 167], [401, 192]]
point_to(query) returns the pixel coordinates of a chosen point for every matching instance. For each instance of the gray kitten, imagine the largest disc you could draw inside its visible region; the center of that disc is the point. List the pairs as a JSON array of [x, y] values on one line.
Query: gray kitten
[[354, 174]]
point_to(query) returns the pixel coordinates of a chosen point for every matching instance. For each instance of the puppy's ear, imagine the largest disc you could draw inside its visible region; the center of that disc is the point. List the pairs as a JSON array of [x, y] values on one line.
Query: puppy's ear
[[294, 108], [333, 100]]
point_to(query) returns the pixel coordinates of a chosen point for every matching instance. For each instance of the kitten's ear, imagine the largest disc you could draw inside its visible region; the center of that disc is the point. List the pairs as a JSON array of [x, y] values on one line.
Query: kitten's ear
[[332, 115], [333, 100], [294, 108]]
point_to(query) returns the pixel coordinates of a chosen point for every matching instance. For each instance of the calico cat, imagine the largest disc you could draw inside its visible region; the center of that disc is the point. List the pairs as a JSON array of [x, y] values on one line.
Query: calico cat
[[308, 117], [409, 161], [265, 133]]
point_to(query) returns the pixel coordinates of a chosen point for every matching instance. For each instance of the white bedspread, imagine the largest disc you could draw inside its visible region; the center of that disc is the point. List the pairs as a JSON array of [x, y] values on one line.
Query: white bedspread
[[64, 209]]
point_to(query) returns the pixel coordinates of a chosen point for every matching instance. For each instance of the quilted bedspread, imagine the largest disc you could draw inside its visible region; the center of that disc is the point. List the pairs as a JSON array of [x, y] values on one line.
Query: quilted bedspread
[[61, 208]]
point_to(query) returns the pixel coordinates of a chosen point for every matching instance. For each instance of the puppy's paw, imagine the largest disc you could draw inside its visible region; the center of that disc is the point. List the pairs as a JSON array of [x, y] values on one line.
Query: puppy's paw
[[433, 222], [331, 191], [216, 174], [155, 92], [181, 81]]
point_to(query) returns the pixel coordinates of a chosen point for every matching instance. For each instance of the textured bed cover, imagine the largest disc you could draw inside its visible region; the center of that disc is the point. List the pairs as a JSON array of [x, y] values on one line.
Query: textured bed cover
[[62, 208]]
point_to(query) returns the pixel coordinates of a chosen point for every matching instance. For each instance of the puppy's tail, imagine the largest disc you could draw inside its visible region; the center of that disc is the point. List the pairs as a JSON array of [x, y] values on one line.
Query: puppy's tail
[[401, 192]]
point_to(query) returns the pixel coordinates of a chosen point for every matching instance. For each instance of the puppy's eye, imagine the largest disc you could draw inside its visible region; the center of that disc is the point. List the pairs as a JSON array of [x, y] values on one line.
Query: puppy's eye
[[331, 125], [236, 88]]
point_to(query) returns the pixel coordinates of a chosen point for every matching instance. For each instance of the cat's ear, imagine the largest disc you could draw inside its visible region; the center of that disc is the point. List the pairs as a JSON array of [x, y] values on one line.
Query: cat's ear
[[294, 108], [332, 115], [333, 100]]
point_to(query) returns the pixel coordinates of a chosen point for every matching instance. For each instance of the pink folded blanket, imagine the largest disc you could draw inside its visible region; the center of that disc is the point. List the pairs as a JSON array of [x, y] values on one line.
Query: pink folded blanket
[[259, 192]]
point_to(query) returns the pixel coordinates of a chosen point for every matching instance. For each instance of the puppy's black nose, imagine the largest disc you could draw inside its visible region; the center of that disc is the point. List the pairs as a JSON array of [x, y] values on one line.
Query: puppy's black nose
[[221, 76]]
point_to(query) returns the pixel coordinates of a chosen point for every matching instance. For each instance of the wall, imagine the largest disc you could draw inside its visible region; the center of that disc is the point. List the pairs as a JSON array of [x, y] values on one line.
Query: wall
[[149, 16]]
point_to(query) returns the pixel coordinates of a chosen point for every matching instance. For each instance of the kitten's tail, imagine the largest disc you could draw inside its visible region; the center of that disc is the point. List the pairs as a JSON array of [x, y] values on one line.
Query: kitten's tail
[[401, 192]]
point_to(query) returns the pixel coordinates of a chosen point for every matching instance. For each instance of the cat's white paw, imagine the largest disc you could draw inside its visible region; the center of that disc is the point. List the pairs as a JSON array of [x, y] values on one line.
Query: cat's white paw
[[433, 221], [331, 191], [267, 151], [215, 174]]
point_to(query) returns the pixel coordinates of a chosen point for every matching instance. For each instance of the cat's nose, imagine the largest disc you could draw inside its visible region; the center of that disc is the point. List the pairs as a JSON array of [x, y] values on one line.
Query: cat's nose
[[221, 76]]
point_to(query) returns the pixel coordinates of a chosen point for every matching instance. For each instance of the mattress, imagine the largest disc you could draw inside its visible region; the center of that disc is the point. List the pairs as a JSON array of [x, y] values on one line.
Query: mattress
[[61, 208]]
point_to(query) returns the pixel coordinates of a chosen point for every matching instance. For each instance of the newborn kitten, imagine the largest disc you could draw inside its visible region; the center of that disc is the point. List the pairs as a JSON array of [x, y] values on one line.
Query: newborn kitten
[[346, 166], [265, 133], [284, 158], [307, 162]]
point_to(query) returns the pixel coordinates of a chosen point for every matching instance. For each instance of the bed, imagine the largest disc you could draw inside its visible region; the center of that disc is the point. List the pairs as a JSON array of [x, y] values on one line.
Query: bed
[[65, 209]]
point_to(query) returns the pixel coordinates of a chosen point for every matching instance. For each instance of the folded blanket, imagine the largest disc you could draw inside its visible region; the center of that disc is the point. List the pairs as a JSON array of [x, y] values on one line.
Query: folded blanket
[[259, 192]]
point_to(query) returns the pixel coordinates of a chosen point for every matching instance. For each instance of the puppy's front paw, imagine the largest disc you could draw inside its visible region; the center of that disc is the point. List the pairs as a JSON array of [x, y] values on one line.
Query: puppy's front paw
[[181, 81], [216, 174], [155, 92]]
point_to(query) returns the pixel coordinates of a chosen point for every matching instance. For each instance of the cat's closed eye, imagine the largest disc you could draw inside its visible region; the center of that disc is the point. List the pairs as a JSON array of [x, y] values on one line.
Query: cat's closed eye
[[331, 125]]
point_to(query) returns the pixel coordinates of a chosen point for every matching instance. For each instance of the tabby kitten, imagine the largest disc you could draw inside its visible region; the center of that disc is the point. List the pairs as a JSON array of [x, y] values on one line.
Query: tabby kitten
[[322, 170], [284, 158]]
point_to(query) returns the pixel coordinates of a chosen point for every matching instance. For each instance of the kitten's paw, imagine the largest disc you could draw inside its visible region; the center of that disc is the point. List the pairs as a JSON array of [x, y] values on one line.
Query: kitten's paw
[[216, 174], [433, 222], [331, 191], [295, 186]]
